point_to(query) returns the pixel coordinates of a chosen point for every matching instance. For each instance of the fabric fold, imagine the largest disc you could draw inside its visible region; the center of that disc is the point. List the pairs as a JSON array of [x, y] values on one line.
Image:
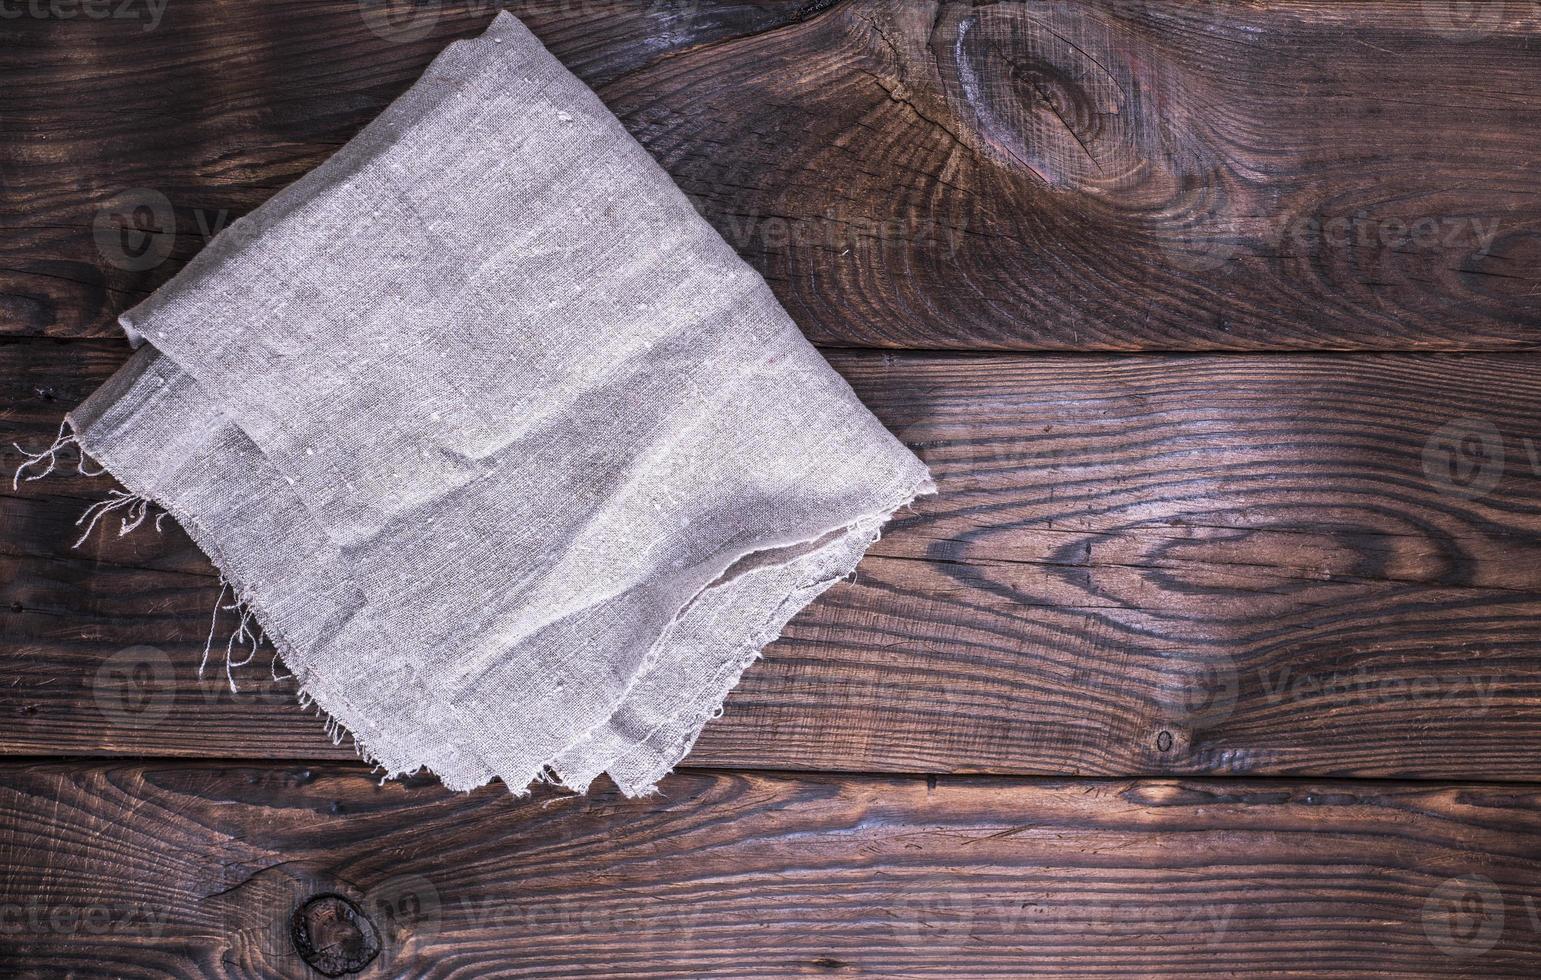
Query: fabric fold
[[515, 461]]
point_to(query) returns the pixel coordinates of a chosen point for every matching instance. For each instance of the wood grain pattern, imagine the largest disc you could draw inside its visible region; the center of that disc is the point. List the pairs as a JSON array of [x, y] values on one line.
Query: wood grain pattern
[[1155, 564], [192, 870], [1167, 566], [1046, 174], [1123, 175], [216, 106]]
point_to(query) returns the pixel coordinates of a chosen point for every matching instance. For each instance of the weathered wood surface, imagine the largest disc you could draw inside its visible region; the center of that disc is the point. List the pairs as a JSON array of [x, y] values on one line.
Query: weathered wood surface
[[193, 870], [1300, 566], [1154, 564], [216, 106], [1127, 174]]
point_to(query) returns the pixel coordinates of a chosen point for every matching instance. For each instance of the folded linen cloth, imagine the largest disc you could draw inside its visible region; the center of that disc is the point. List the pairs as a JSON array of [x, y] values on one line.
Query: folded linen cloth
[[514, 460]]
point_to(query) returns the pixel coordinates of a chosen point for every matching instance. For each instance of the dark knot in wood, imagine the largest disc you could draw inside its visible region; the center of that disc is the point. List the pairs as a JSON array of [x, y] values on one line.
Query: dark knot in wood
[[1050, 89], [334, 936]]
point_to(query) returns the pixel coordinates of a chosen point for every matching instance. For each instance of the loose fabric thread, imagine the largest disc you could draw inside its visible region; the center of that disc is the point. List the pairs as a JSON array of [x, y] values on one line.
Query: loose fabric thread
[[135, 509], [499, 518]]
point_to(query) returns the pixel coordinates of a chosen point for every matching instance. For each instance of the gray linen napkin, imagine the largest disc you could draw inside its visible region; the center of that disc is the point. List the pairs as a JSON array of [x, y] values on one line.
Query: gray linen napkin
[[513, 459]]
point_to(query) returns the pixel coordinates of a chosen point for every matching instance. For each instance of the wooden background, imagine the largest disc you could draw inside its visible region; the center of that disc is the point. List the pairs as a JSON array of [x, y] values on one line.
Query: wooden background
[[1218, 653]]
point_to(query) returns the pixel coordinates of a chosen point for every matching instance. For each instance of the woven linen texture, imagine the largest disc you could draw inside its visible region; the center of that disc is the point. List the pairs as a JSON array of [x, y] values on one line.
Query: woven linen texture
[[517, 464]]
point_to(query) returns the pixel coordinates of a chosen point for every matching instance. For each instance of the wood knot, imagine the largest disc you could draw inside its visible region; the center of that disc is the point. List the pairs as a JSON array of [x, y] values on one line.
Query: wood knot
[[334, 936], [1048, 88]]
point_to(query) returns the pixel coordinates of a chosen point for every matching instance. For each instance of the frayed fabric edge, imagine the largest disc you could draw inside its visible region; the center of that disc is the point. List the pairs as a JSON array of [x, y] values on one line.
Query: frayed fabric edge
[[134, 508], [644, 781], [646, 784], [64, 440], [253, 624]]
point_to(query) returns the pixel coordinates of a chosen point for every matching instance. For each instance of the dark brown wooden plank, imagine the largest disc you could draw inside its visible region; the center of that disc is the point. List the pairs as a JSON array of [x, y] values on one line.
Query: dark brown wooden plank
[[1124, 174], [193, 870], [195, 113], [1154, 564]]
